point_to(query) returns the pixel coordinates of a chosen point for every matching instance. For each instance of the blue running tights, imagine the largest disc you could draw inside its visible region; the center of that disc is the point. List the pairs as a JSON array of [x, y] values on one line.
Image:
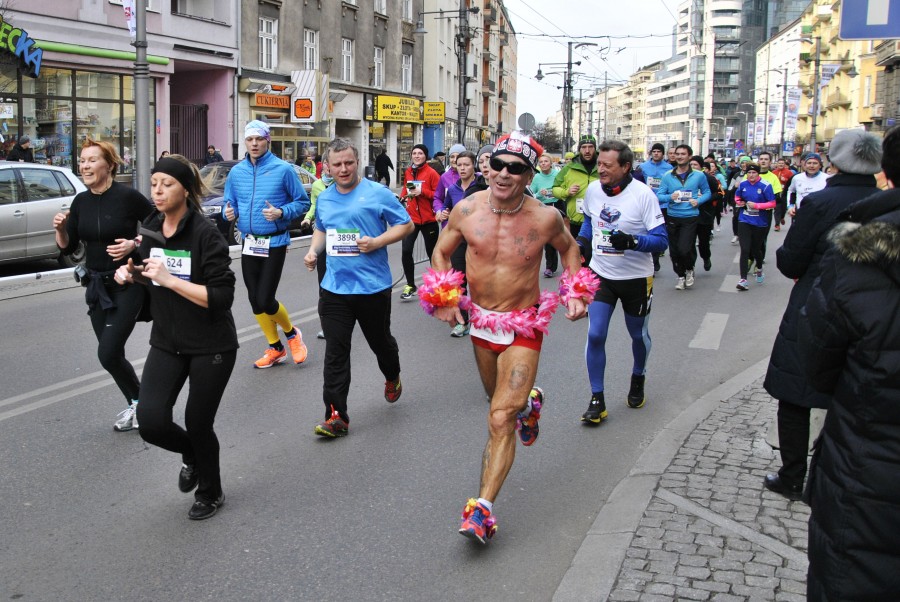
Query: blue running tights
[[599, 315]]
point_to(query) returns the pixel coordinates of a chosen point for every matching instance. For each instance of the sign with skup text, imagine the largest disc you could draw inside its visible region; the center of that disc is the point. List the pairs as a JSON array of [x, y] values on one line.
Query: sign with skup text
[[435, 112], [397, 108]]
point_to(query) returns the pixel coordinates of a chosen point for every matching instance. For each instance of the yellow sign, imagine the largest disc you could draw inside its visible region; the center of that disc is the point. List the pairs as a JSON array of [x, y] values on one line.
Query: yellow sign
[[435, 112], [272, 101], [397, 108]]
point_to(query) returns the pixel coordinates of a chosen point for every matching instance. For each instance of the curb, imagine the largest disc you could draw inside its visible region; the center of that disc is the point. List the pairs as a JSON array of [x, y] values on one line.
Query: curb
[[596, 565]]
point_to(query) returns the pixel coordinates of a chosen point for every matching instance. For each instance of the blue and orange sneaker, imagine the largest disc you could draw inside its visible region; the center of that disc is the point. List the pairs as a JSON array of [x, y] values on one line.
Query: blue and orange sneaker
[[477, 522], [528, 427]]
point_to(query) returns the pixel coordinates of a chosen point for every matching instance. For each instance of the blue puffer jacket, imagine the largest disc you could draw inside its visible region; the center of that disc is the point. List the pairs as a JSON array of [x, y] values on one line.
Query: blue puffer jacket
[[249, 186]]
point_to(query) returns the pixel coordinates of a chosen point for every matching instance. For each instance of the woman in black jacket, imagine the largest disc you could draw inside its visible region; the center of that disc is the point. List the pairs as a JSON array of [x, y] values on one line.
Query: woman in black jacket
[[850, 339], [106, 218], [186, 267]]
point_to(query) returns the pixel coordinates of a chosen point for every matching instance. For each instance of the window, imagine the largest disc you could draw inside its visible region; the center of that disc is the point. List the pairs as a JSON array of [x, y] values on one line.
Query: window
[[378, 76], [867, 91], [346, 60], [9, 188], [152, 5], [205, 9], [406, 74], [268, 44], [352, 2], [406, 10], [310, 49], [381, 6], [40, 184]]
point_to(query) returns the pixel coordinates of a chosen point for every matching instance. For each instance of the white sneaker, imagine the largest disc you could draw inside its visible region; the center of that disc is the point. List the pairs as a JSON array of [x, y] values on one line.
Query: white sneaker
[[718, 229], [679, 286], [689, 278], [734, 240], [127, 419]]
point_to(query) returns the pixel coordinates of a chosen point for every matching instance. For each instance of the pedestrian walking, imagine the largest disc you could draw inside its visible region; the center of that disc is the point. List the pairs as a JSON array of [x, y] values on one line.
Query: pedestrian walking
[[106, 218]]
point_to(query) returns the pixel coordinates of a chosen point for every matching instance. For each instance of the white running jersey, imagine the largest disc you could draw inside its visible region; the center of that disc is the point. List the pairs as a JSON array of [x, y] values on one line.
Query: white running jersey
[[633, 211], [803, 185]]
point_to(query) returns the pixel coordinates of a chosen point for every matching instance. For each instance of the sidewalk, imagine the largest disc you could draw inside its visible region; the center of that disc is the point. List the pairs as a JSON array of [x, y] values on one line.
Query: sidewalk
[[692, 520]]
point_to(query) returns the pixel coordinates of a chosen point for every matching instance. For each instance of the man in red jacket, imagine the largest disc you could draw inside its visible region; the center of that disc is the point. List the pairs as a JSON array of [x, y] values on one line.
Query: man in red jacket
[[784, 174], [419, 183]]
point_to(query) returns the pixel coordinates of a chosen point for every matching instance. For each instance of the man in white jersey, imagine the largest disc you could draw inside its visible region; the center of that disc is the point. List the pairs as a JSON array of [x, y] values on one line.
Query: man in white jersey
[[811, 180], [622, 229]]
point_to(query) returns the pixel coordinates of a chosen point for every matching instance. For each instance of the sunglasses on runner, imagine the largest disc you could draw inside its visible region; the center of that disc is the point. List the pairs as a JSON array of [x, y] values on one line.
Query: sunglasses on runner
[[514, 169]]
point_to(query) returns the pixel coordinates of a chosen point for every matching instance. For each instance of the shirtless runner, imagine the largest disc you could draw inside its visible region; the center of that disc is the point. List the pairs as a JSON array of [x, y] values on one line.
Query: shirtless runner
[[506, 232]]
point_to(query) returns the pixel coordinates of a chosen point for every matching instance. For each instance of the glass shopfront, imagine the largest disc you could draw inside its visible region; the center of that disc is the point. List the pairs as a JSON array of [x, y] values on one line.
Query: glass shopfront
[[291, 141], [64, 106]]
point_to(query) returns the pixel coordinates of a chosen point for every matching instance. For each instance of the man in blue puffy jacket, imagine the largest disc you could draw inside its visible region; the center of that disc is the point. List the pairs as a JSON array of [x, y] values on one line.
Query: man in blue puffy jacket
[[264, 195]]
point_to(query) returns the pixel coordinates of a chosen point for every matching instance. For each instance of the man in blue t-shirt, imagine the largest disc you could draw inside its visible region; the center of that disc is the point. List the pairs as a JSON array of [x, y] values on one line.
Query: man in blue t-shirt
[[356, 220]]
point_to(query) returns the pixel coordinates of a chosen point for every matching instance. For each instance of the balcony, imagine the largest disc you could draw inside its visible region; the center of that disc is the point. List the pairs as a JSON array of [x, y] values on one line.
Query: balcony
[[490, 14], [837, 99], [488, 87], [888, 53]]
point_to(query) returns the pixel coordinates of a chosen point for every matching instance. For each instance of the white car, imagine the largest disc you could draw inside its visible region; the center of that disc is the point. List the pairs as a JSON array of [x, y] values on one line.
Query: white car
[[30, 195]]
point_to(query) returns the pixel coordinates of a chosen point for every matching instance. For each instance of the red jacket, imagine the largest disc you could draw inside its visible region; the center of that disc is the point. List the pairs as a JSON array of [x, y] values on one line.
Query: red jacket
[[420, 207], [784, 176]]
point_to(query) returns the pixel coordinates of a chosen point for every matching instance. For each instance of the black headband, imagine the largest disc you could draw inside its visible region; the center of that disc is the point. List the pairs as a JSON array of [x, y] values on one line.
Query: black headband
[[176, 169]]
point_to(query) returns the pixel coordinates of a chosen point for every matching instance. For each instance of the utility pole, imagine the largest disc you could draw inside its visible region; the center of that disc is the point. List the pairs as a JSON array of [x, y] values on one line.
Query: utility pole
[[141, 101], [815, 103], [462, 40], [567, 99], [783, 109]]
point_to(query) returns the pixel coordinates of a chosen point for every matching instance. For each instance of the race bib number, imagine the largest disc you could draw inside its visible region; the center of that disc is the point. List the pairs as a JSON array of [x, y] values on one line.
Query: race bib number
[[684, 195], [654, 182], [178, 263], [579, 205], [602, 245], [498, 338], [751, 212], [257, 246], [342, 242]]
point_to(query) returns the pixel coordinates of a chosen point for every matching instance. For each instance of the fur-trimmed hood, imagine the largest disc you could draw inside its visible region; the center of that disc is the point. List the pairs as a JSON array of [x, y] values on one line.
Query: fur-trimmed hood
[[877, 242]]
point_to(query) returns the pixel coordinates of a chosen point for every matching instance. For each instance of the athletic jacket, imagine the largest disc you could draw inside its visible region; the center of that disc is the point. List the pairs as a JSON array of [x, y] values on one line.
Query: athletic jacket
[[573, 173], [694, 182], [421, 208]]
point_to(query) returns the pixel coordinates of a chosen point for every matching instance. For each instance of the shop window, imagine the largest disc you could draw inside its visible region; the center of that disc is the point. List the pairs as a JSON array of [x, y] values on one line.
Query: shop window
[[268, 43], [52, 82], [97, 85], [53, 142]]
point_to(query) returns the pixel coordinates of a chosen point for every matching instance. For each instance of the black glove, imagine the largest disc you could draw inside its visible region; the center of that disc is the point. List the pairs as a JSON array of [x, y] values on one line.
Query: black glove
[[622, 242], [585, 245]]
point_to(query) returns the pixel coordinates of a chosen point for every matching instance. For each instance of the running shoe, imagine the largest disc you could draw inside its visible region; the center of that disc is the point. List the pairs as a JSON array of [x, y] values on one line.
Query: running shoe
[[596, 412], [777, 228], [271, 357], [298, 348], [127, 419], [408, 293], [689, 278], [477, 522], [707, 264], [743, 285], [459, 331], [734, 240], [320, 334], [548, 273], [333, 427], [679, 286], [203, 510], [760, 277], [188, 477], [528, 427], [392, 390], [636, 397]]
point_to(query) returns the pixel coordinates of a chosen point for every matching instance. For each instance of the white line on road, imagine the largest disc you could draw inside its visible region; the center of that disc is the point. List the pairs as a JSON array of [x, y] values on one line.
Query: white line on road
[[709, 335]]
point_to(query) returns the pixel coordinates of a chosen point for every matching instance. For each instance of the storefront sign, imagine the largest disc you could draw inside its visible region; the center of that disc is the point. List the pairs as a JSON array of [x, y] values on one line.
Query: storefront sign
[[303, 109], [397, 108], [435, 112], [272, 101], [7, 111], [16, 41]]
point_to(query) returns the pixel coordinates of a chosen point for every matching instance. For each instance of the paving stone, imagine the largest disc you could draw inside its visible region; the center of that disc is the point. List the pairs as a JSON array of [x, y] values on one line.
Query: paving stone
[[691, 593], [694, 560], [724, 564], [789, 597], [759, 570], [753, 593], [764, 582], [728, 576], [662, 589], [726, 598], [624, 595], [693, 572]]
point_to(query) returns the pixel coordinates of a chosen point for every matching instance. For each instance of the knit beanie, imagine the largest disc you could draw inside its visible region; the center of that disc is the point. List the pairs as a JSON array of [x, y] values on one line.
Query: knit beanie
[[423, 148], [456, 149], [856, 152]]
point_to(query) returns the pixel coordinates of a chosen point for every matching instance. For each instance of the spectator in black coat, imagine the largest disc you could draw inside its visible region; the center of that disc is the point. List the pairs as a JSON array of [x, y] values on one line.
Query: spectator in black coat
[[857, 155], [850, 339], [382, 164], [22, 151]]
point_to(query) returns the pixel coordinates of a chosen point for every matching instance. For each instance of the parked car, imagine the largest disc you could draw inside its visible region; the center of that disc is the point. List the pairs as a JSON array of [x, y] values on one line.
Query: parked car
[[30, 195], [214, 176]]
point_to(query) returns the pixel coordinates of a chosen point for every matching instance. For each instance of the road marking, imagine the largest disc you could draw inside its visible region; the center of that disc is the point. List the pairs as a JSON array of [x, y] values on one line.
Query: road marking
[[878, 11], [709, 335]]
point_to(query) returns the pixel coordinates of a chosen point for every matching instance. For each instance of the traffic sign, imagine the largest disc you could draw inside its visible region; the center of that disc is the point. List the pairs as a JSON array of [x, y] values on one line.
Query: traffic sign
[[738, 145], [870, 20], [787, 147]]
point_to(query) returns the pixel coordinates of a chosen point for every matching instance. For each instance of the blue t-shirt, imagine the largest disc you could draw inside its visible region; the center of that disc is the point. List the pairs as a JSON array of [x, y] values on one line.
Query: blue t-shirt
[[367, 210], [761, 192]]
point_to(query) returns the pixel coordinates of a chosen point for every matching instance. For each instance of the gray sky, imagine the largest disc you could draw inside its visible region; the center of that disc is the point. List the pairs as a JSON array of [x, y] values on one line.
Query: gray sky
[[584, 21]]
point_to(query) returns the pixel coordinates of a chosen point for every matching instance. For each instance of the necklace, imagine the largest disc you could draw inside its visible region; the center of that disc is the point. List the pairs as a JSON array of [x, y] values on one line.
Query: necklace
[[505, 211]]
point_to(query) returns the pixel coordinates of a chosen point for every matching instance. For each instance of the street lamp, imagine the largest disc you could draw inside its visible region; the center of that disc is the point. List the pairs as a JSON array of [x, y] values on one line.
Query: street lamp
[[462, 40], [572, 45], [567, 87]]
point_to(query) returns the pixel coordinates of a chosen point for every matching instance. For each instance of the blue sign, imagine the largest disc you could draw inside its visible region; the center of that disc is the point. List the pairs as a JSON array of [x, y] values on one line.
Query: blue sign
[[787, 147], [870, 19], [738, 145]]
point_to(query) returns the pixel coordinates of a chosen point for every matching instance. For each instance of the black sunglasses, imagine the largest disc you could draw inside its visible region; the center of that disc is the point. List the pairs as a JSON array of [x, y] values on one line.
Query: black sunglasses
[[514, 169]]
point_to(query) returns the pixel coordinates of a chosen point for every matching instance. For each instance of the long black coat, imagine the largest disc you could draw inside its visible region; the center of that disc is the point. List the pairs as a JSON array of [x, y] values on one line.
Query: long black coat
[[850, 340], [798, 258]]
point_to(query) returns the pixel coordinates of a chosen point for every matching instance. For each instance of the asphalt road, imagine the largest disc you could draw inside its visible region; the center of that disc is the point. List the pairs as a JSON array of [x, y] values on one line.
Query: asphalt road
[[91, 514]]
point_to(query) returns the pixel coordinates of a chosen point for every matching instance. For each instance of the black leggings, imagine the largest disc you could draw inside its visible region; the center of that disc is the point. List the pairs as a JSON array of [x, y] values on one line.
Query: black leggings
[[261, 277], [113, 327], [753, 246], [430, 233], [164, 377], [339, 314]]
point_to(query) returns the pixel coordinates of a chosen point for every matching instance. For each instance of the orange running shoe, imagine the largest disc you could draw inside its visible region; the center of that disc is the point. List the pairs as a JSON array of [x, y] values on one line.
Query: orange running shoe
[[477, 523], [529, 429], [272, 357], [298, 348]]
